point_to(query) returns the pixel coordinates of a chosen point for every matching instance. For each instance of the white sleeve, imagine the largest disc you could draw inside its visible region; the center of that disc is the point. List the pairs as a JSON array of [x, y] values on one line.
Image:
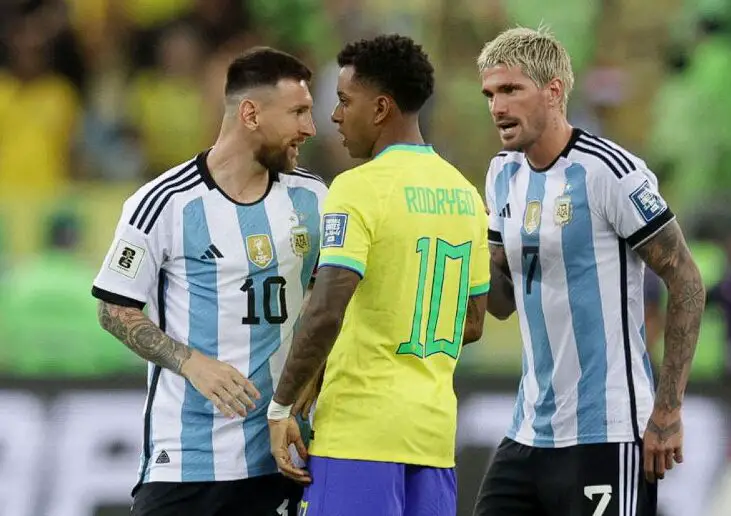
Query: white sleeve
[[634, 207], [129, 273], [494, 227]]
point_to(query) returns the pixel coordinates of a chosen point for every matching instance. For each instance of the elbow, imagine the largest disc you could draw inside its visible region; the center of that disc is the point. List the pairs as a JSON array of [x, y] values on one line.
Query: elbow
[[472, 333], [499, 313]]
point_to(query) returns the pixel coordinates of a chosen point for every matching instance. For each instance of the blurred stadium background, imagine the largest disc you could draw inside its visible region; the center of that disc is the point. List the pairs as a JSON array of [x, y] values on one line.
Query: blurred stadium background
[[98, 96]]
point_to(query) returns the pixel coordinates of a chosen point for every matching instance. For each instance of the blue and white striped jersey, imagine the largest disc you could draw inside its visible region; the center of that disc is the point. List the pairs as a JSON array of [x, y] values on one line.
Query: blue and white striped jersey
[[227, 279], [569, 232]]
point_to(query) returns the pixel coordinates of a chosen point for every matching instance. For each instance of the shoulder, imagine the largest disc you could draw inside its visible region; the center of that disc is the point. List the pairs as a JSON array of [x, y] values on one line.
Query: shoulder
[[145, 206], [504, 160], [303, 178], [604, 159]]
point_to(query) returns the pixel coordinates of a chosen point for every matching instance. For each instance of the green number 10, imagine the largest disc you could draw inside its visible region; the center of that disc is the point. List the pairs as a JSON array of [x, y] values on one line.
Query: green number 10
[[431, 346]]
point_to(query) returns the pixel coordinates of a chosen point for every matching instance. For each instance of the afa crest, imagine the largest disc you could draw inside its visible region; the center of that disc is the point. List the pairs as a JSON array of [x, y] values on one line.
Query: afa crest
[[563, 210], [299, 238], [259, 249], [532, 218]]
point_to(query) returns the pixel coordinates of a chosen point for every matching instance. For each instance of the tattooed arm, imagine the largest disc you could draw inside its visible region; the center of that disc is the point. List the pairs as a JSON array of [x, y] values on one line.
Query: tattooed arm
[[667, 254], [141, 335], [226, 387], [319, 327], [501, 298]]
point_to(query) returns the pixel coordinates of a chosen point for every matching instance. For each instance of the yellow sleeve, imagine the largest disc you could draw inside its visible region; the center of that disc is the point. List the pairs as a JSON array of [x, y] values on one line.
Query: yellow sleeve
[[348, 223], [480, 264]]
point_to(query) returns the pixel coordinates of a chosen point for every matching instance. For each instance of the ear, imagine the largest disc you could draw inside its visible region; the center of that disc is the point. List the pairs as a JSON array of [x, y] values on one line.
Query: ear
[[384, 106], [555, 93], [249, 113]]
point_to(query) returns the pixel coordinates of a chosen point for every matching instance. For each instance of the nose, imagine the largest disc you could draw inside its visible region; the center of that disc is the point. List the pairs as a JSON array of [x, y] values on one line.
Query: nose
[[337, 114], [308, 129], [498, 105]]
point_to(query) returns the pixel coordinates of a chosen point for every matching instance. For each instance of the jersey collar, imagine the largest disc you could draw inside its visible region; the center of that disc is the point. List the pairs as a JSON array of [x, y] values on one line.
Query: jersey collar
[[418, 148], [202, 164]]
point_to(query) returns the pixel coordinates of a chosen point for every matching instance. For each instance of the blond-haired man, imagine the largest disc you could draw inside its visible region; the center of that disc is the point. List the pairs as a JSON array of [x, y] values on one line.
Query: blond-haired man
[[574, 219]]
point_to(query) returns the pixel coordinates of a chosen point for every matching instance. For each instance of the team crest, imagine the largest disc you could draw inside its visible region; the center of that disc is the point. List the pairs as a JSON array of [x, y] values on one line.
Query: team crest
[[259, 249], [532, 218], [562, 211], [299, 237]]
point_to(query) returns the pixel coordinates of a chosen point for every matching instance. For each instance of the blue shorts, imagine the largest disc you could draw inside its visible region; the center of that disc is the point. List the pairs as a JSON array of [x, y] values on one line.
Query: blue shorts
[[342, 487]]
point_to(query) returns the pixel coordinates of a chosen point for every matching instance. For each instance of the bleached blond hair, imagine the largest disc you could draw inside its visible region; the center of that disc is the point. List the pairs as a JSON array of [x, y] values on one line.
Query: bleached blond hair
[[540, 56]]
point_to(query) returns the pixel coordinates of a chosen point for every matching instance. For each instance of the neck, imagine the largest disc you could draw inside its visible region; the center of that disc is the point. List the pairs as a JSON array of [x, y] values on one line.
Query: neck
[[551, 143], [404, 131], [234, 168]]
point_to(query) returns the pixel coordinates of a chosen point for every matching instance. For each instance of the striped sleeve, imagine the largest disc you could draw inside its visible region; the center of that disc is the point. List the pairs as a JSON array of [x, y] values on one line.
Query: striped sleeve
[[132, 263]]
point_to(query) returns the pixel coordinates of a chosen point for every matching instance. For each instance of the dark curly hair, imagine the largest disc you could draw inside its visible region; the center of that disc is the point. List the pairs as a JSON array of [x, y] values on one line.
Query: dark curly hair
[[394, 64]]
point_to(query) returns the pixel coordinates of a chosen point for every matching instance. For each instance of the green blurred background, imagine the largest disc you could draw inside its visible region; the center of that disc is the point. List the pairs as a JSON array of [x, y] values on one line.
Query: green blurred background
[[99, 96]]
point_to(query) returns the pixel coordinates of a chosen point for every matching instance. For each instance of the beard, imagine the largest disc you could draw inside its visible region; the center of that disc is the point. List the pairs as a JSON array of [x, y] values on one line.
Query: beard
[[275, 158]]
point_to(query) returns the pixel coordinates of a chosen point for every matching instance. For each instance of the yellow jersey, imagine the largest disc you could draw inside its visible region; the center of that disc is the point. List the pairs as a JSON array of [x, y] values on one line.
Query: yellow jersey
[[415, 230]]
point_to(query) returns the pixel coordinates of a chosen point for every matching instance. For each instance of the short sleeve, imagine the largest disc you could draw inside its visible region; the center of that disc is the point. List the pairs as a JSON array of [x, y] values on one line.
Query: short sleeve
[[348, 223], [480, 264], [130, 269], [634, 207], [494, 231]]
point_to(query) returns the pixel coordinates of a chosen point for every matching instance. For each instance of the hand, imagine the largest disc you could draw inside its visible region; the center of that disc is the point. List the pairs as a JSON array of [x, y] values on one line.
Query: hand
[[663, 443], [221, 383], [282, 433], [305, 400]]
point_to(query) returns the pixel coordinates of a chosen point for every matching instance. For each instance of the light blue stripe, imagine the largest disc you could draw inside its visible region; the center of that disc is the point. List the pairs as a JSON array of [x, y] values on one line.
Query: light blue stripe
[[307, 208], [196, 434], [518, 413], [646, 357], [587, 315], [502, 190], [264, 341], [542, 355]]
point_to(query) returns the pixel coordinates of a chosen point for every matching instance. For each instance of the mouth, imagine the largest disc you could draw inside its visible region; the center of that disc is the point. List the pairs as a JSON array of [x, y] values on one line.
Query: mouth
[[295, 148], [507, 128]]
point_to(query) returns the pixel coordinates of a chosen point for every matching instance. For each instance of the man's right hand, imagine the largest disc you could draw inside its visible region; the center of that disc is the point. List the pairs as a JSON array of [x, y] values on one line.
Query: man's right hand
[[221, 383]]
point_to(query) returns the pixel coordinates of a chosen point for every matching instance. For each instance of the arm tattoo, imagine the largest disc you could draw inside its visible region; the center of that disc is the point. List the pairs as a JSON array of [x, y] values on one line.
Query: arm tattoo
[[501, 298], [318, 329], [142, 336], [667, 254]]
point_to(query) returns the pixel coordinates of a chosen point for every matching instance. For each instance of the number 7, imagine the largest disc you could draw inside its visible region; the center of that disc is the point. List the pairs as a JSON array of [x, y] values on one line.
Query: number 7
[[605, 490]]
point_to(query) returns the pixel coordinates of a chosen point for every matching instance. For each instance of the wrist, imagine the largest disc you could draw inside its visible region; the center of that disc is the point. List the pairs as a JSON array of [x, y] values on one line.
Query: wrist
[[277, 411]]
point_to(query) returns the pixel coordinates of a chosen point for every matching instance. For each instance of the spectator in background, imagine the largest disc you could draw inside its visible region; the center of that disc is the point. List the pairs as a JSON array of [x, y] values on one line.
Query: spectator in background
[[38, 112], [47, 326], [166, 104], [720, 295]]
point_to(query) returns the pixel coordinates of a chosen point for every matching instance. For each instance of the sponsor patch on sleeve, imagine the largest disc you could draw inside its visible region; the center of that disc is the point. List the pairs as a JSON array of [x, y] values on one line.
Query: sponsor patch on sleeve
[[648, 203], [127, 259], [333, 229]]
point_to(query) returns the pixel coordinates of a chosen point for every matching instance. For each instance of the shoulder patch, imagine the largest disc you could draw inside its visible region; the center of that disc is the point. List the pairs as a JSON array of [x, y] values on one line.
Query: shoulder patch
[[127, 259], [648, 203], [333, 229]]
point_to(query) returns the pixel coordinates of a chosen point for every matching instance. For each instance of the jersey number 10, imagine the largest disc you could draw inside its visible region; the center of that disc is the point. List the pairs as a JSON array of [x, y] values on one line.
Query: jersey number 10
[[432, 345]]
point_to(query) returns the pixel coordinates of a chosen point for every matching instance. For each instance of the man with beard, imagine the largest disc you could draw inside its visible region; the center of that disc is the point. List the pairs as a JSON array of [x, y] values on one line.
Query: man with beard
[[575, 218], [401, 287], [222, 249]]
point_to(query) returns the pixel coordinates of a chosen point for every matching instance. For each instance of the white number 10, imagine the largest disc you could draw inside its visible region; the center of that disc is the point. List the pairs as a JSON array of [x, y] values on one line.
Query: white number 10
[[606, 491]]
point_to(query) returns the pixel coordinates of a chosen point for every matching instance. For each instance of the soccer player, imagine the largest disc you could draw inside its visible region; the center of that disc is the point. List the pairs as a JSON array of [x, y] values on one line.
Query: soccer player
[[574, 219], [401, 285], [221, 249]]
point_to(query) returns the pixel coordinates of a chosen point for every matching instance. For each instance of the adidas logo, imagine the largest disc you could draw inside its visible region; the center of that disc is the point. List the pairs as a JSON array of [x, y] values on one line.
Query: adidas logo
[[505, 212], [163, 458], [211, 253]]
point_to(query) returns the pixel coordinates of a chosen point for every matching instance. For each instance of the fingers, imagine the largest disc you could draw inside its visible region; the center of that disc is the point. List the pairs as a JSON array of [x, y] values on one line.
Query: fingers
[[679, 454], [299, 445], [221, 406], [659, 464], [234, 403], [248, 387], [284, 462], [649, 464], [669, 459]]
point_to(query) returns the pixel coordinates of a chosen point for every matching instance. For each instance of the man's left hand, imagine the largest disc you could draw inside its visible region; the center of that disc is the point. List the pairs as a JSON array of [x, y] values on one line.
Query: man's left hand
[[663, 443]]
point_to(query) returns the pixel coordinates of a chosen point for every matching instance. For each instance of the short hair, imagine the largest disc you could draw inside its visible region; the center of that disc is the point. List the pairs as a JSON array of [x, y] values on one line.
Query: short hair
[[539, 55], [395, 65], [263, 66]]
